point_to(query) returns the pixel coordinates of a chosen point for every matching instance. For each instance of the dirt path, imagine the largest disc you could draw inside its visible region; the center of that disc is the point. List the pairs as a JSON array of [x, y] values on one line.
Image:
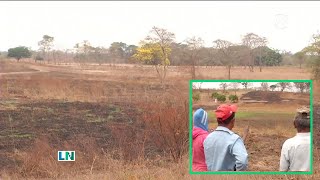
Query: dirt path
[[35, 69]]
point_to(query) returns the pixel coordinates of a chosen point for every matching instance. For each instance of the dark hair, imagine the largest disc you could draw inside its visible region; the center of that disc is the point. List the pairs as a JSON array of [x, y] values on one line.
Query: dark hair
[[302, 121], [227, 121]]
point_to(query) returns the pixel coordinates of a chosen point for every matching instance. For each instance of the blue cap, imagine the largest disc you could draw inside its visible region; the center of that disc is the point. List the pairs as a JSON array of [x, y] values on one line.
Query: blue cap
[[200, 119]]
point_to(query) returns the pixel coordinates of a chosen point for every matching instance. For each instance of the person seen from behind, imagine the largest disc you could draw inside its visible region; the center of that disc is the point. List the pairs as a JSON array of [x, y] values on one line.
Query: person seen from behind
[[224, 150], [295, 152], [199, 133]]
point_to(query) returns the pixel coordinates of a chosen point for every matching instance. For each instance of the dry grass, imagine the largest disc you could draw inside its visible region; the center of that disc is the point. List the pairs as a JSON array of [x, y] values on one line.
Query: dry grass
[[125, 84]]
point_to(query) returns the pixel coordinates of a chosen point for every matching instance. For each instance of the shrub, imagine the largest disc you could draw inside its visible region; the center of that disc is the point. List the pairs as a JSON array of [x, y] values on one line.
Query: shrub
[[233, 98], [221, 98], [166, 125], [196, 96], [214, 95]]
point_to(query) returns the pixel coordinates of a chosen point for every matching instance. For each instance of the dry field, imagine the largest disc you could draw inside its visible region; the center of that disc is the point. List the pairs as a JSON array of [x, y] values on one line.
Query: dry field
[[120, 120], [270, 124]]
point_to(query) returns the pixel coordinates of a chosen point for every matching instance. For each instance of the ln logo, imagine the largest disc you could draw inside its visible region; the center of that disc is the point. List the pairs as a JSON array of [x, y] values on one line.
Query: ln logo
[[66, 155]]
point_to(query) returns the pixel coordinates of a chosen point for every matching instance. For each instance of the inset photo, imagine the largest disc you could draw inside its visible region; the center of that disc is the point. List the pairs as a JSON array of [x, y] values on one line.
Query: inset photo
[[250, 127]]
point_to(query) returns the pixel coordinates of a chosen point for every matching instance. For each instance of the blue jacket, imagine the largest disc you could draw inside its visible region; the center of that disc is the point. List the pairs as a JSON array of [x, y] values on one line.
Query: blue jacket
[[225, 151]]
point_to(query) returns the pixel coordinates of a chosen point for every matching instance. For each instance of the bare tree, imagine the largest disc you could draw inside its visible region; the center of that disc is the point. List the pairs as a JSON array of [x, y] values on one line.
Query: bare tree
[[223, 86], [283, 86], [83, 50], [302, 86], [253, 41], [196, 85], [264, 86], [235, 87], [194, 46], [45, 45], [246, 85], [224, 54]]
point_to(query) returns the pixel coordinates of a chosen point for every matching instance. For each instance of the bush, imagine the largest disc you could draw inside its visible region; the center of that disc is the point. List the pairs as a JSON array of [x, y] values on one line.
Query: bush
[[166, 126], [233, 98], [221, 98], [39, 58], [214, 95], [196, 96]]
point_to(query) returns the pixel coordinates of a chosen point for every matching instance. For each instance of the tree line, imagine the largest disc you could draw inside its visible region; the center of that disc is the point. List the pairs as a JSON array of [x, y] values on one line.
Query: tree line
[[160, 49]]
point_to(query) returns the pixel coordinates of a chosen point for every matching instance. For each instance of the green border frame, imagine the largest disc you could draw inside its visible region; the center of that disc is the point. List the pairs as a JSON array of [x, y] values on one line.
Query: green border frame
[[250, 172]]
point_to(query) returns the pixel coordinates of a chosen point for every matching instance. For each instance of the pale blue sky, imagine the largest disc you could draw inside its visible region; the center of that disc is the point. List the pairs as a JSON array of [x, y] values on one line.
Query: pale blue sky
[[287, 25]]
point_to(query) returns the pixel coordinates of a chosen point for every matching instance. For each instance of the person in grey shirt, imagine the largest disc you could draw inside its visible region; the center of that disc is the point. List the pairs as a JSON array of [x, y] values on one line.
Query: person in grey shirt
[[224, 150], [295, 152]]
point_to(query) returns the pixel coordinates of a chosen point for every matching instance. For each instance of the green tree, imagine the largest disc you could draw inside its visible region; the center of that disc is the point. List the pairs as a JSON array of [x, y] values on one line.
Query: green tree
[[268, 57], [313, 50], [117, 51], [129, 52], [19, 52], [273, 87], [300, 57]]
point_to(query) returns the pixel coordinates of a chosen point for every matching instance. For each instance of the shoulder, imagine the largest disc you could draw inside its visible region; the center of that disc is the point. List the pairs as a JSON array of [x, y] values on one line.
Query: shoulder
[[235, 137], [289, 142]]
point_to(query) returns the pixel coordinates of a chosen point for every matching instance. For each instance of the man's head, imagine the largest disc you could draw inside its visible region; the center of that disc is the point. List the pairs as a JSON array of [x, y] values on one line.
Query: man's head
[[226, 115], [302, 119], [200, 119]]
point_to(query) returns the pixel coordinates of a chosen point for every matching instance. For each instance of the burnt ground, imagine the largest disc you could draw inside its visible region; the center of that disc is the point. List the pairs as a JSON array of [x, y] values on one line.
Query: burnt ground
[[262, 96], [272, 97], [22, 121]]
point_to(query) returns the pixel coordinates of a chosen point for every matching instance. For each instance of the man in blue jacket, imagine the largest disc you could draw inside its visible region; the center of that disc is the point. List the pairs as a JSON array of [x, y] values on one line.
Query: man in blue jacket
[[224, 150]]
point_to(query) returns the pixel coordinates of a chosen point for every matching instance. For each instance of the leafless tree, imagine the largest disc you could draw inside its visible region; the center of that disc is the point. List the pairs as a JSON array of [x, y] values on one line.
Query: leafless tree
[[264, 86], [253, 41], [224, 54], [194, 46]]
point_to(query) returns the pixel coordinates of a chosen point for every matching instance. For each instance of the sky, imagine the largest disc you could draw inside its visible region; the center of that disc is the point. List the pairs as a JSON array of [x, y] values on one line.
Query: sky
[[216, 85], [287, 25]]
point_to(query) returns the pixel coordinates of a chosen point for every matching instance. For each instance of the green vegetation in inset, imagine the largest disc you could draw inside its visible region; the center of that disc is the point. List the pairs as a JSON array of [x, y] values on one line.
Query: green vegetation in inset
[[233, 98], [196, 96], [214, 95], [221, 98]]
